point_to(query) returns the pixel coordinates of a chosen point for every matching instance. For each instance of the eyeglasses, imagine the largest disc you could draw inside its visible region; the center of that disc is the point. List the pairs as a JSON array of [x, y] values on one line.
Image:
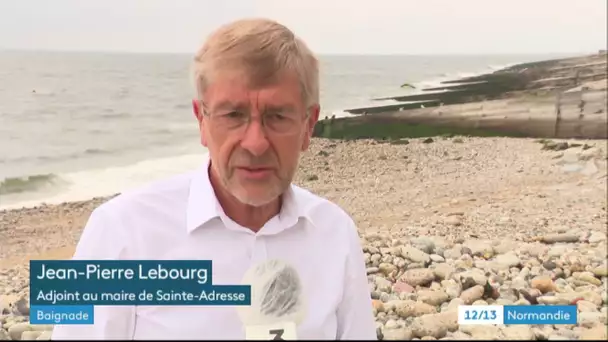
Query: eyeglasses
[[279, 122]]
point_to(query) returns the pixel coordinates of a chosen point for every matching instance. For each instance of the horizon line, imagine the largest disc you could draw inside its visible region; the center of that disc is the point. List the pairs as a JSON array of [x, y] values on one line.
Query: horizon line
[[447, 53]]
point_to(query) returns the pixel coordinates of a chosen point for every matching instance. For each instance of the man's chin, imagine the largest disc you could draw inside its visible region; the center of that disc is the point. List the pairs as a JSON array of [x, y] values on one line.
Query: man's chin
[[256, 195], [256, 201]]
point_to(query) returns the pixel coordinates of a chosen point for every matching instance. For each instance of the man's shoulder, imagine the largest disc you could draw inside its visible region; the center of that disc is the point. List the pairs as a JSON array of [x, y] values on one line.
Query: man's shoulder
[[167, 192], [321, 210]]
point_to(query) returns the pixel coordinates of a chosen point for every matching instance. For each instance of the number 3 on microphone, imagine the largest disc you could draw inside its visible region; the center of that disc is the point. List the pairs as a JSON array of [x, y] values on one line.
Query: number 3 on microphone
[[271, 332], [278, 334]]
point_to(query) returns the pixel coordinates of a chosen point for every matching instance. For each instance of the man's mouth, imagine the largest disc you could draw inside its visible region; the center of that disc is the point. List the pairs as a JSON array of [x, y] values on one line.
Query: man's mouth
[[254, 172]]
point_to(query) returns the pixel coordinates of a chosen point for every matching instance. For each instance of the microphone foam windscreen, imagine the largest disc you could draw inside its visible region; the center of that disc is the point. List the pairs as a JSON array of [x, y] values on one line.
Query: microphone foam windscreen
[[276, 294]]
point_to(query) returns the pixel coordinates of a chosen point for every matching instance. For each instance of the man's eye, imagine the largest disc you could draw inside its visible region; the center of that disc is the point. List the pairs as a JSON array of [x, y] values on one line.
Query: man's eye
[[276, 117], [234, 115]]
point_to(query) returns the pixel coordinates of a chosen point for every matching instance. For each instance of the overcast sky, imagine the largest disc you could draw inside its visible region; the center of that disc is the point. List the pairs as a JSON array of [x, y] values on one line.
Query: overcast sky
[[329, 26]]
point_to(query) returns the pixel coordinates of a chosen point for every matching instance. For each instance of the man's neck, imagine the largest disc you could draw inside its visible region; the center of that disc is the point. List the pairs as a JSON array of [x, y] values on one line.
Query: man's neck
[[245, 215]]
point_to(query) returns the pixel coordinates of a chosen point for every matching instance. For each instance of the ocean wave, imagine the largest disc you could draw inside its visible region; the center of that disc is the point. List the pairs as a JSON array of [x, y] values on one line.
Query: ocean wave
[[14, 185], [182, 106], [437, 81], [111, 114], [58, 157], [93, 151]]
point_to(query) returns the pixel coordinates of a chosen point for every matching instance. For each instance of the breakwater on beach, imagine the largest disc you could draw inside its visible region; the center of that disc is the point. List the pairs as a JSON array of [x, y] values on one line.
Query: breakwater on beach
[[559, 98]]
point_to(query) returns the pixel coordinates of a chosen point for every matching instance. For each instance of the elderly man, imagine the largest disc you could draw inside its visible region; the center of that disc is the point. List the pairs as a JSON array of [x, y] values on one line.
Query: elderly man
[[257, 104]]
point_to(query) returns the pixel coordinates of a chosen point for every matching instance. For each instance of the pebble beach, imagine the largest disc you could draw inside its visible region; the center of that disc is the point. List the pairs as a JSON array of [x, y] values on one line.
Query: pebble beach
[[443, 221]]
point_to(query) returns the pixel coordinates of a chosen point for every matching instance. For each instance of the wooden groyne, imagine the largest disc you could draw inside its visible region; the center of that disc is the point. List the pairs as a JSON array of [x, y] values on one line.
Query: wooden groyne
[[563, 98]]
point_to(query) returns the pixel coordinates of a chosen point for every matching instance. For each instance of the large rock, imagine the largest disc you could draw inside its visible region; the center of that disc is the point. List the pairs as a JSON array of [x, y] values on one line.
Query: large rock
[[418, 276]]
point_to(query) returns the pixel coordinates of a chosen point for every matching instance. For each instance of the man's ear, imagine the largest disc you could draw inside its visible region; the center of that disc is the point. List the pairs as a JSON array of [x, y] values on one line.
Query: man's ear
[[199, 117], [313, 117], [196, 110]]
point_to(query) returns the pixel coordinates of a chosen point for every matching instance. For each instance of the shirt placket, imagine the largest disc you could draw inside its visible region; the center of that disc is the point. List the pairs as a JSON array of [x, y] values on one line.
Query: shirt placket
[[259, 252]]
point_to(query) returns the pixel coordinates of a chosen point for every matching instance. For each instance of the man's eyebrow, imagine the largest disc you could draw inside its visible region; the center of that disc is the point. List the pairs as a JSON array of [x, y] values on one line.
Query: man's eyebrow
[[229, 105], [280, 108]]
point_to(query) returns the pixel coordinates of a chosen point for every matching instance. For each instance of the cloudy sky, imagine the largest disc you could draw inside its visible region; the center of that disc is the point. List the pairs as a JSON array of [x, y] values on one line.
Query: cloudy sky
[[329, 26]]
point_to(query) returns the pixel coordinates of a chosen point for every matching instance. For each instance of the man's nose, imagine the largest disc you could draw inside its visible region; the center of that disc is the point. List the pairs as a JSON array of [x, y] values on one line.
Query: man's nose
[[254, 139]]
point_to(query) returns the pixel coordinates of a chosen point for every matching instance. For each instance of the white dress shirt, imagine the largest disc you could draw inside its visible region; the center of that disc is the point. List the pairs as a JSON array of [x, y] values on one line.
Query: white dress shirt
[[180, 218]]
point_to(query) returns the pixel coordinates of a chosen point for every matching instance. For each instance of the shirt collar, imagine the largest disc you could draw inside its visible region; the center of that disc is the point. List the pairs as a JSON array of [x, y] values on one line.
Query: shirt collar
[[203, 206]]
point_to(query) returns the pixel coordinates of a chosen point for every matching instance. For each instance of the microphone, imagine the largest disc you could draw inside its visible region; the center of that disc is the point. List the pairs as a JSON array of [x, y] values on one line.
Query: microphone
[[277, 302]]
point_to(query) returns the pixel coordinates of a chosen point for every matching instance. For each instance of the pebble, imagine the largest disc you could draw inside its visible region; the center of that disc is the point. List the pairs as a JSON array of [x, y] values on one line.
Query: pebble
[[507, 260], [543, 283], [597, 237], [542, 333], [437, 258], [435, 298], [415, 255], [397, 334], [425, 244], [590, 319], [410, 308], [402, 287], [518, 332], [485, 332], [471, 295], [601, 271], [587, 277], [597, 333], [16, 330], [555, 238], [31, 335], [586, 306], [430, 325], [472, 278], [443, 271], [480, 248]]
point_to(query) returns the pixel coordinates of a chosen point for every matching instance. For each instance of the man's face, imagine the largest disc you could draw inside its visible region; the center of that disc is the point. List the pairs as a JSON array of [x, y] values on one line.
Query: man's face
[[255, 134]]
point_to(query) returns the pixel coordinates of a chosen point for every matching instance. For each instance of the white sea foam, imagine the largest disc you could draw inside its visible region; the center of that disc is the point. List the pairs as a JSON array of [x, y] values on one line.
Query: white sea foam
[[87, 184]]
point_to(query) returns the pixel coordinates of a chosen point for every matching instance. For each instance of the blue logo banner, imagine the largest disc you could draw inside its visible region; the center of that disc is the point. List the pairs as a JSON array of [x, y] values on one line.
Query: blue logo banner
[[62, 314], [540, 314]]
